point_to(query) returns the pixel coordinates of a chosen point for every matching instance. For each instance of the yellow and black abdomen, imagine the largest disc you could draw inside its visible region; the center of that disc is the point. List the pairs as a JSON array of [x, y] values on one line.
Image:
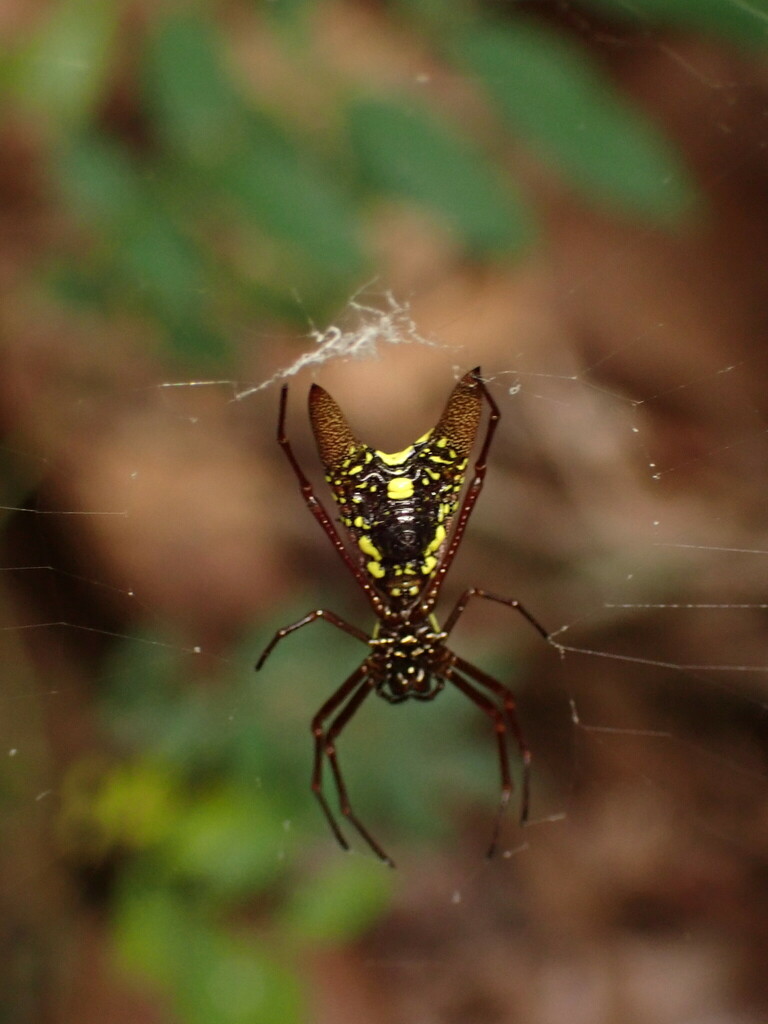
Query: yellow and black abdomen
[[398, 506], [402, 533]]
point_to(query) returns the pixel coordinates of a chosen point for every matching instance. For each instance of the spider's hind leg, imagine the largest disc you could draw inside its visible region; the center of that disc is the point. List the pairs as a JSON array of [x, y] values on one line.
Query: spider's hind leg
[[501, 720], [510, 712], [359, 685], [329, 748]]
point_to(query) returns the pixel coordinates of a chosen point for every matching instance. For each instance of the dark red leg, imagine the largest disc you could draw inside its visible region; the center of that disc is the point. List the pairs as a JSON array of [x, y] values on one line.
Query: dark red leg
[[320, 613], [497, 717], [317, 508], [510, 710], [318, 732], [510, 602], [330, 749], [468, 504]]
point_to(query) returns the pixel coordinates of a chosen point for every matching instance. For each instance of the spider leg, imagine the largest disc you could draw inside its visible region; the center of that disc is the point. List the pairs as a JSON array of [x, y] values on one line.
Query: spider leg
[[497, 717], [510, 710], [329, 747], [319, 613], [336, 698], [317, 508], [465, 598], [470, 498]]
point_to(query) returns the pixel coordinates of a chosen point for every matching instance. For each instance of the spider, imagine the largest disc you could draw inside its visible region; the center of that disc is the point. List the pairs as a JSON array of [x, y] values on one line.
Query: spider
[[398, 509]]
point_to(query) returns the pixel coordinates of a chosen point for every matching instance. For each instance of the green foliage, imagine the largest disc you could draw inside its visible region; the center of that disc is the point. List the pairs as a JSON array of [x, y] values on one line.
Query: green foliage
[[284, 190], [196, 201], [206, 803], [246, 155], [555, 99], [203, 205], [208, 806], [743, 23], [196, 111], [342, 902], [144, 259], [208, 973], [63, 69], [403, 150]]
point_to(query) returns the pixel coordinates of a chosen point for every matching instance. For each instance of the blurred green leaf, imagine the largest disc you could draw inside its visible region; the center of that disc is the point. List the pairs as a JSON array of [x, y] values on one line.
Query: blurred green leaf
[[212, 977], [412, 154], [228, 840], [438, 18], [290, 14], [236, 982], [341, 903], [194, 105], [100, 181], [151, 928], [64, 67], [744, 23], [166, 271], [251, 161], [141, 704], [136, 804], [554, 98], [145, 259], [280, 185]]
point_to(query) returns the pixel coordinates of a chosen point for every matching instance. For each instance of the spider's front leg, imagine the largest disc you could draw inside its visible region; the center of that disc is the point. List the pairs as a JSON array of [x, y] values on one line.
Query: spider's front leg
[[319, 613], [510, 602]]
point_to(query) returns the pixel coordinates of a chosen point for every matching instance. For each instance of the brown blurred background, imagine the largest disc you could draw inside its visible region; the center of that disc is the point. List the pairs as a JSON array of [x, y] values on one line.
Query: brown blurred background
[[572, 195]]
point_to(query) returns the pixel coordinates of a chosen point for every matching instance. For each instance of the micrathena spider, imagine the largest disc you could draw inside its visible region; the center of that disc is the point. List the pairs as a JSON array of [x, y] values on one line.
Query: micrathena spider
[[398, 508]]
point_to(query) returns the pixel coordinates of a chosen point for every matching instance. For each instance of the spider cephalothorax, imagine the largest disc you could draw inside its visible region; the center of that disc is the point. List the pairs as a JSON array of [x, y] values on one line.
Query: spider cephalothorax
[[403, 514], [408, 660]]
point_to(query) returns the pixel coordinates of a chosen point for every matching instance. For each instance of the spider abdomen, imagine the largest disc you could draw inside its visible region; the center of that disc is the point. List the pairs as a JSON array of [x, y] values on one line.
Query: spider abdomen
[[398, 506], [403, 533]]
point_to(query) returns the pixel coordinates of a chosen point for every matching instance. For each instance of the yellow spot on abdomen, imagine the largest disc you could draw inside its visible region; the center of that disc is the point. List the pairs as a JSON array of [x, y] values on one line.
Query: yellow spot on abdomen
[[437, 540], [400, 487], [367, 546], [375, 569], [394, 458], [429, 564]]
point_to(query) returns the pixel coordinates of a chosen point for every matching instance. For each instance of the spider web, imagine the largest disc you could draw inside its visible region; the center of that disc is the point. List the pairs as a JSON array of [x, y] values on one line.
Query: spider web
[[627, 487]]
